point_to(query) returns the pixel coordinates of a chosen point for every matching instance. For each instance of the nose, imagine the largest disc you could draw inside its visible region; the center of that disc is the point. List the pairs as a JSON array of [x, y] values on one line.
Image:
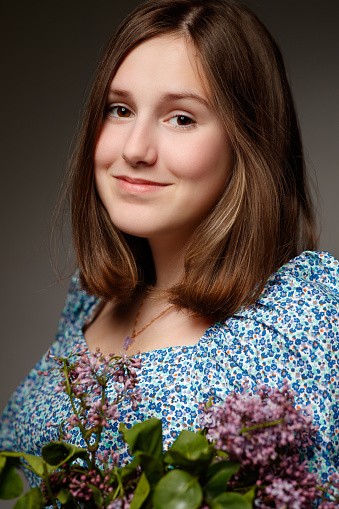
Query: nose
[[140, 144]]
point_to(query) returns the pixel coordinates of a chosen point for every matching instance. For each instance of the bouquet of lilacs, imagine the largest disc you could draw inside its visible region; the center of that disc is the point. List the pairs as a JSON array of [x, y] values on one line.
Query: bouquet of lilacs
[[250, 452]]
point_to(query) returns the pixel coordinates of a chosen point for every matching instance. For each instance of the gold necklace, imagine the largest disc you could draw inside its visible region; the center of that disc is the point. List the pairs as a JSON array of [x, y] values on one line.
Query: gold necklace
[[130, 339]]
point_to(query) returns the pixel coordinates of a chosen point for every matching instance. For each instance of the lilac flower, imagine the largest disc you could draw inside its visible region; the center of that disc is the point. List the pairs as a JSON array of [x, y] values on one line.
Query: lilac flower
[[84, 378], [109, 457], [289, 494], [266, 435], [328, 504], [78, 481], [121, 504], [241, 426]]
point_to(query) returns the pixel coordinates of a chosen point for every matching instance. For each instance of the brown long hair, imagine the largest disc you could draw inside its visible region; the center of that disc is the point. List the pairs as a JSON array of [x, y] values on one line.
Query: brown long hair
[[263, 218]]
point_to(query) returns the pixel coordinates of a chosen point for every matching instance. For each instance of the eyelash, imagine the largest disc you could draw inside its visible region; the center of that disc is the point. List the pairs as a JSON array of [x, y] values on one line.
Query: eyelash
[[189, 126], [110, 111]]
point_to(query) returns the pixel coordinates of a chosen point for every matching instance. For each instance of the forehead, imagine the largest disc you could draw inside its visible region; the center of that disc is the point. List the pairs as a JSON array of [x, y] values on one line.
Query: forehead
[[165, 62]]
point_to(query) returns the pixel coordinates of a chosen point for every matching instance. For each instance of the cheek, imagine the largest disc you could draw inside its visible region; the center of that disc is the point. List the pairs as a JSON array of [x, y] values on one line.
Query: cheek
[[205, 158], [103, 159], [106, 152], [99, 183]]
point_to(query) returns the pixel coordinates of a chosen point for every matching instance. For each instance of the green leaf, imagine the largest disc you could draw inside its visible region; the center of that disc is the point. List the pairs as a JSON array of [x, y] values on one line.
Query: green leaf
[[11, 485], [14, 457], [144, 436], [250, 495], [70, 504], [36, 462], [190, 445], [2, 463], [129, 469], [190, 451], [153, 467], [229, 500], [177, 490], [218, 476], [221, 454], [63, 496], [57, 453], [141, 493], [97, 495], [33, 499]]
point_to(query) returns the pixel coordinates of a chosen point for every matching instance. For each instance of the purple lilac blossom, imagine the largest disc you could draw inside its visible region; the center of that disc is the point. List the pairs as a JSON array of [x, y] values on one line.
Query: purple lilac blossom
[[269, 437]]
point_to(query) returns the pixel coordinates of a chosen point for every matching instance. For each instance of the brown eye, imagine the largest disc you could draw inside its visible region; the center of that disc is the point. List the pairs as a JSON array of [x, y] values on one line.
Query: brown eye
[[122, 111], [118, 112], [182, 121]]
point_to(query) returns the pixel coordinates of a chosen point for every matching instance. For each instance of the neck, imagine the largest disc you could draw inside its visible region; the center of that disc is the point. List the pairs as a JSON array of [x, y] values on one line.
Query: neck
[[168, 260]]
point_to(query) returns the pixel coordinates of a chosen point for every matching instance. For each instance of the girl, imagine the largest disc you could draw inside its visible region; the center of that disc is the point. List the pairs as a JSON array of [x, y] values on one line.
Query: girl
[[193, 231]]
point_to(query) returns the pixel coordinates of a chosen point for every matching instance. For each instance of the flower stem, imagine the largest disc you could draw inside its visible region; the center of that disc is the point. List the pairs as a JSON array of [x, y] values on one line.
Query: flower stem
[[260, 426], [48, 486]]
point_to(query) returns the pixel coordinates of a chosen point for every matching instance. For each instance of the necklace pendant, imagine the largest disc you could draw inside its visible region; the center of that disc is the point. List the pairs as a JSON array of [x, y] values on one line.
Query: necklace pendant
[[128, 342]]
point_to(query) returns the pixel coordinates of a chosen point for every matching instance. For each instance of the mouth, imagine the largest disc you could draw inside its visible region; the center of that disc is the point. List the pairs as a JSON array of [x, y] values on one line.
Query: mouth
[[138, 185]]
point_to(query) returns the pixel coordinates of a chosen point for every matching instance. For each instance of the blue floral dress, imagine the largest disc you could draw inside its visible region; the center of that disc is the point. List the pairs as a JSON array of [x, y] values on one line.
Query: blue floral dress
[[291, 333]]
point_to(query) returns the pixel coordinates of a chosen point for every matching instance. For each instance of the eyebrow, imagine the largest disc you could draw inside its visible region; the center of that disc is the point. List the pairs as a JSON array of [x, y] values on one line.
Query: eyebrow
[[168, 96], [185, 95]]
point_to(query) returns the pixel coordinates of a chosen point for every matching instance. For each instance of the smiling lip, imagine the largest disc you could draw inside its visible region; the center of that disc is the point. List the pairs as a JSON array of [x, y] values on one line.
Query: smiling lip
[[138, 185]]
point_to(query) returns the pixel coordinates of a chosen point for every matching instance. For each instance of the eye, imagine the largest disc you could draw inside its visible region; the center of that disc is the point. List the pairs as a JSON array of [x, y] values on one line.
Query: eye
[[119, 111], [182, 121]]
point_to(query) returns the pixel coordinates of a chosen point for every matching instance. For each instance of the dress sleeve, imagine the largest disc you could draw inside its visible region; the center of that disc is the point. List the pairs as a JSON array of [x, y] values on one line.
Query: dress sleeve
[[292, 333]]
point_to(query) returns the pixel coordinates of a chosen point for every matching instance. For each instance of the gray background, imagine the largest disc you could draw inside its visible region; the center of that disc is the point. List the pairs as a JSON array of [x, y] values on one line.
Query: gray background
[[50, 53]]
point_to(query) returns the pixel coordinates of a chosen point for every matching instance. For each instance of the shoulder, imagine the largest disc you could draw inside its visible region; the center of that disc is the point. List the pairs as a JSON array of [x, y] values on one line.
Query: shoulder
[[290, 333], [302, 297], [311, 272]]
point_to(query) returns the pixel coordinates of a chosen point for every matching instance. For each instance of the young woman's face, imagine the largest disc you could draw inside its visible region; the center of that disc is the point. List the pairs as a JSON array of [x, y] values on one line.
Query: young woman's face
[[163, 157]]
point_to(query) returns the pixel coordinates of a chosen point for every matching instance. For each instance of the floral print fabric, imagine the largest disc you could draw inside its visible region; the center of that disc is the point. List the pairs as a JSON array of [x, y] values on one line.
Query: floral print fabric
[[291, 333]]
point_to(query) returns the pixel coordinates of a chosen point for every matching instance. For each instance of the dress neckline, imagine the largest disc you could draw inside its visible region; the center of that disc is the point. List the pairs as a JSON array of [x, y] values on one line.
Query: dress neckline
[[93, 311]]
